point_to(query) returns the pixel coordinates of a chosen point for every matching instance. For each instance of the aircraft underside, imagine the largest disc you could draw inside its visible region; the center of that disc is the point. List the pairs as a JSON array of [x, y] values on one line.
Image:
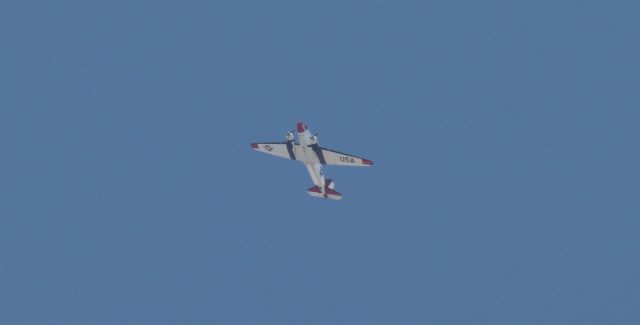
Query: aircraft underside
[[309, 152]]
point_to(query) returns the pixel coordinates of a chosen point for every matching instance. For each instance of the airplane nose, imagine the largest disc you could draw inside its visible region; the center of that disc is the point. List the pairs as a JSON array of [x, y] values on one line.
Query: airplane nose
[[301, 127]]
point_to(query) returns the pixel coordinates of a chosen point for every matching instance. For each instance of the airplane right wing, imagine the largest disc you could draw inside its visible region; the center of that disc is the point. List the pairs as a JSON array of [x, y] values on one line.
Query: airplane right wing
[[280, 149], [332, 157]]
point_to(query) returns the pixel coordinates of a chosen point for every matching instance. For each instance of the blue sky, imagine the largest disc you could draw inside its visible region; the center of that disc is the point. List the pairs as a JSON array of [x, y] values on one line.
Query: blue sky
[[505, 136]]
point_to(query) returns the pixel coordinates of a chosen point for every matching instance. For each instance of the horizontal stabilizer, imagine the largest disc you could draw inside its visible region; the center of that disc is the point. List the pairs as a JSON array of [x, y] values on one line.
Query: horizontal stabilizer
[[328, 193]]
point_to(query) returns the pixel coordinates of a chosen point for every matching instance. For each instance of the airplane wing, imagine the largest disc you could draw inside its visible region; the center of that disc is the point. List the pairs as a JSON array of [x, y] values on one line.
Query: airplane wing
[[280, 149], [332, 157]]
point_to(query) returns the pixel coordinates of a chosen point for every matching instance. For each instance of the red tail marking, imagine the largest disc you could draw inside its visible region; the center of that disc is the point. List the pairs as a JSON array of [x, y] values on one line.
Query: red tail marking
[[332, 192]]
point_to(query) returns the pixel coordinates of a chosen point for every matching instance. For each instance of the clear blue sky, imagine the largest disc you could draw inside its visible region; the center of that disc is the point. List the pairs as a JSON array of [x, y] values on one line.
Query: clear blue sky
[[505, 136]]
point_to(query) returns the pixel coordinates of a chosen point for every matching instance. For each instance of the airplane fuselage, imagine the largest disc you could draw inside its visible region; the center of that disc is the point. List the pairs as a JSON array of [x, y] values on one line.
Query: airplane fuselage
[[309, 157]]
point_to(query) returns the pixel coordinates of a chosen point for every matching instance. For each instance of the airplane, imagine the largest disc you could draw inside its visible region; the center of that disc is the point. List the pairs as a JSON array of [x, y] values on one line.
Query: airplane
[[309, 152]]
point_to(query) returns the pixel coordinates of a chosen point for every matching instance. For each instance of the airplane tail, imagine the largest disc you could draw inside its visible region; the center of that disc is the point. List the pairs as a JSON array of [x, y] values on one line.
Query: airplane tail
[[329, 193]]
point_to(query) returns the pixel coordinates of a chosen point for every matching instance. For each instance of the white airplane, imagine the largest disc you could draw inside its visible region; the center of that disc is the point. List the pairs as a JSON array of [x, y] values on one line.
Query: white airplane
[[313, 157]]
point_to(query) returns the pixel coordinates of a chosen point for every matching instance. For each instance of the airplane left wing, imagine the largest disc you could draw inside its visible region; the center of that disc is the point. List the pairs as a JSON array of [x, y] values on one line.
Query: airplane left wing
[[280, 149], [332, 157]]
